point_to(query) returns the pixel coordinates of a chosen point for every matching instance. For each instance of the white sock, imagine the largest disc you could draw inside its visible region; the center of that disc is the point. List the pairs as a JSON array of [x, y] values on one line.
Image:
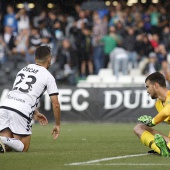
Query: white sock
[[13, 143]]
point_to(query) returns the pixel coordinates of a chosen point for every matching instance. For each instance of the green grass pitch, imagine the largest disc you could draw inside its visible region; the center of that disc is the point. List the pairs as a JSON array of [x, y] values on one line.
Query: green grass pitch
[[84, 142]]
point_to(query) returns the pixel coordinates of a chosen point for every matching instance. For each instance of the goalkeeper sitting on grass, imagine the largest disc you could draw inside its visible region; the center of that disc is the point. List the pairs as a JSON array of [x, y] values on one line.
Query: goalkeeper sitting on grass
[[158, 142]]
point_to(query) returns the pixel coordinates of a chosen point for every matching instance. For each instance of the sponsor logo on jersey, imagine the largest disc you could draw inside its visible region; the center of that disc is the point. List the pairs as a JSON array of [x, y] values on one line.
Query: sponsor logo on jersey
[[14, 98]]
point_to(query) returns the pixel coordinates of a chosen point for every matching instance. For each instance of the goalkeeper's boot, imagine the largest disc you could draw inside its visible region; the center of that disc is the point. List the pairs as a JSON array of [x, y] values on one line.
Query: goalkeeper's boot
[[2, 147], [152, 152], [161, 144]]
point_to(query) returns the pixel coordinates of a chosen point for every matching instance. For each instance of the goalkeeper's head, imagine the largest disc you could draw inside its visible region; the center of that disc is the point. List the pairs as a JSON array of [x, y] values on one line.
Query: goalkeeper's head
[[154, 82]]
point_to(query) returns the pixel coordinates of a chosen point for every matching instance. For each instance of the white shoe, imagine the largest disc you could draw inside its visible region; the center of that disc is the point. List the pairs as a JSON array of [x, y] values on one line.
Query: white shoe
[[2, 147]]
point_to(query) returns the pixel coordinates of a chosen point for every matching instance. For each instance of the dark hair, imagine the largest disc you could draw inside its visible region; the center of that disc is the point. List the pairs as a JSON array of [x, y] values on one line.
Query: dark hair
[[157, 77], [42, 52]]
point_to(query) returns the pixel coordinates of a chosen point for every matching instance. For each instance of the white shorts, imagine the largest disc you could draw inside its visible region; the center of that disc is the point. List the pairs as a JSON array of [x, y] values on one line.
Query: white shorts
[[15, 122]]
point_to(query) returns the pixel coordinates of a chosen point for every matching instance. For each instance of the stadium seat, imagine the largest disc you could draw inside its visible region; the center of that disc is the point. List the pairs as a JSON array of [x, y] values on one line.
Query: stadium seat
[[83, 84], [135, 71], [139, 79], [124, 79], [105, 72], [93, 79], [109, 79]]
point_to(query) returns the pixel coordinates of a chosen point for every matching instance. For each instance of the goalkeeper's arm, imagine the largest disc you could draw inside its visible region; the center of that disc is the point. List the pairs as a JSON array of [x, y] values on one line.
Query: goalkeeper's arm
[[163, 115]]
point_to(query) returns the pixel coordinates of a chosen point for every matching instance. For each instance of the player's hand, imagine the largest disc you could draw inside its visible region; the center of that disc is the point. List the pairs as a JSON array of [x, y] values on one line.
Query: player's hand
[[41, 119], [147, 120], [55, 132]]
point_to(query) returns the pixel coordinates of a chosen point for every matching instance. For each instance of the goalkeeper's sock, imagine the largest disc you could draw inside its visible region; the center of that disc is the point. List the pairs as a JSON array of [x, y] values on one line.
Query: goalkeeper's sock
[[148, 140], [13, 143], [168, 144]]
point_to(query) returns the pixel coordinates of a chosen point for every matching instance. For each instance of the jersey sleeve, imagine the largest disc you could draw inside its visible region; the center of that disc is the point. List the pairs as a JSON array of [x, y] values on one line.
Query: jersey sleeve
[[164, 114], [52, 86]]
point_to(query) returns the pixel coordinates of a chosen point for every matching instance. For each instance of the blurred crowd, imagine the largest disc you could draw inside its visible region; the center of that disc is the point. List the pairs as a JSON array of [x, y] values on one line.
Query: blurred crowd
[[119, 37]]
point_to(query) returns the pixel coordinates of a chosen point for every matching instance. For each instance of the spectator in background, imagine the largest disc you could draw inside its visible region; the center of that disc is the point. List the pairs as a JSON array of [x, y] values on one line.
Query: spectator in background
[[114, 18], [110, 42], [166, 38], [63, 21], [10, 19], [152, 65], [120, 29], [1, 25], [77, 8], [139, 27], [59, 34], [2, 51], [22, 20], [119, 61], [34, 42], [86, 53], [144, 46], [9, 39], [98, 31], [76, 39], [82, 20], [88, 14], [161, 53], [129, 43], [51, 19], [154, 19], [46, 41], [43, 30], [116, 35], [154, 40], [75, 35], [146, 20], [70, 22], [105, 24], [68, 62], [21, 42], [39, 18], [163, 19], [129, 17], [165, 70]]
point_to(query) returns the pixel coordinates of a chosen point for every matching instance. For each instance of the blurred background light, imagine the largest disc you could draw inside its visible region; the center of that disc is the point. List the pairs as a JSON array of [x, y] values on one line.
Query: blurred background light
[[31, 5], [20, 6], [107, 3], [50, 5], [155, 1], [115, 3], [143, 1]]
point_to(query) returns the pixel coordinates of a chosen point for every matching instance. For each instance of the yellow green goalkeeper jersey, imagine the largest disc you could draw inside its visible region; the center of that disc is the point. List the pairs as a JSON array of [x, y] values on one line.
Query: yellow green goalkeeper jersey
[[163, 110]]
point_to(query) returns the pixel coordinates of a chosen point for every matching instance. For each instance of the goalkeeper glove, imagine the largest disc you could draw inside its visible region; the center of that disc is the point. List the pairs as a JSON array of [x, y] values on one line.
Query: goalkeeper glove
[[147, 120]]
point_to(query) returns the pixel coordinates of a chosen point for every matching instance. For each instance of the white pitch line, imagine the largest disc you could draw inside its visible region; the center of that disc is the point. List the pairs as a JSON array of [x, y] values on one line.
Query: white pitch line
[[128, 164], [105, 159]]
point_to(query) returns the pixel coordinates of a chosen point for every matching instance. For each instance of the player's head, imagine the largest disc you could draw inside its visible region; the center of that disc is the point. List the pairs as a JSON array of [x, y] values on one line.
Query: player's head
[[153, 82], [43, 55]]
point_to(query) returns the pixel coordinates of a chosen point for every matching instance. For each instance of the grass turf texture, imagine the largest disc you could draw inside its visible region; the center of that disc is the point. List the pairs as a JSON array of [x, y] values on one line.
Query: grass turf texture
[[82, 142]]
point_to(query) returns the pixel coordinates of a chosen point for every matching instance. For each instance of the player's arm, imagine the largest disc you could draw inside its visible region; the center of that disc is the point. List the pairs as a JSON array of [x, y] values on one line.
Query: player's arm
[[162, 115], [56, 111], [40, 117]]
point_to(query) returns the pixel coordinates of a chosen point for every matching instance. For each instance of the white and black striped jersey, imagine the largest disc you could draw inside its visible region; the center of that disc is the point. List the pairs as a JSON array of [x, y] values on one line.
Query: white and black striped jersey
[[30, 84]]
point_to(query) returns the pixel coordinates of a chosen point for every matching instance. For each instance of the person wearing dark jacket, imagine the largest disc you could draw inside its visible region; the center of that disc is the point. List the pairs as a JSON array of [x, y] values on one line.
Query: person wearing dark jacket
[[68, 61], [152, 65]]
